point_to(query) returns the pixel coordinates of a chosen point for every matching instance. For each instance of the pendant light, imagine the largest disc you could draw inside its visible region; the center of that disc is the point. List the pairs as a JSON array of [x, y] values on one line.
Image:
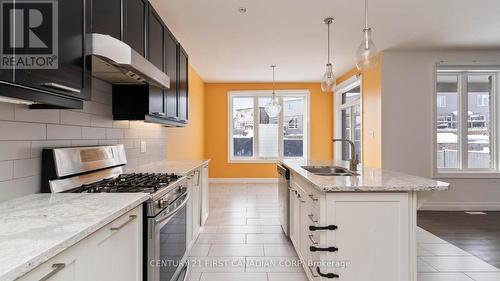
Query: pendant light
[[328, 81], [273, 107], [367, 54]]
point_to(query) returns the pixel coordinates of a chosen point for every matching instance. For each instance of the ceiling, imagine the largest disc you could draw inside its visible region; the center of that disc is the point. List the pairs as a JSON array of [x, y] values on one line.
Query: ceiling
[[227, 46]]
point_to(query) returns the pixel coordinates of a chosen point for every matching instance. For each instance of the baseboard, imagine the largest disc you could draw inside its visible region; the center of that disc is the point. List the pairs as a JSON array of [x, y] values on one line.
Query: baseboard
[[243, 180], [460, 206]]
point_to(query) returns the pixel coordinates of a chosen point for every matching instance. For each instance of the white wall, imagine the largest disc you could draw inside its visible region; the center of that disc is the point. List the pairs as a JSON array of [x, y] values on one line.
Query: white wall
[[24, 132], [407, 127]]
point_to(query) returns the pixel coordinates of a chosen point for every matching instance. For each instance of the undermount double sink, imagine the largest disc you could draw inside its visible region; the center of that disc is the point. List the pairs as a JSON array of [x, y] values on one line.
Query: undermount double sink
[[330, 171]]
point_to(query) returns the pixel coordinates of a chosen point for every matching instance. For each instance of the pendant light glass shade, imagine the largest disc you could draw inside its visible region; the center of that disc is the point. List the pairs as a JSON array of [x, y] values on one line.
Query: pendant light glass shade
[[367, 53], [328, 82], [273, 107]]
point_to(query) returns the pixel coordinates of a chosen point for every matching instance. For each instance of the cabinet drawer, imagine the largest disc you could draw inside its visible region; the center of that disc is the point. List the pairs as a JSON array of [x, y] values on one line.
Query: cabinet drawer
[[131, 219], [66, 266], [311, 194]]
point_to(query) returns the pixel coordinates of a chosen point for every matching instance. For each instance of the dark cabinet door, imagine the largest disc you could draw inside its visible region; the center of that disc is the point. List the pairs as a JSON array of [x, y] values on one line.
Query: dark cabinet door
[[183, 85], [106, 17], [155, 38], [171, 63], [134, 28], [68, 76]]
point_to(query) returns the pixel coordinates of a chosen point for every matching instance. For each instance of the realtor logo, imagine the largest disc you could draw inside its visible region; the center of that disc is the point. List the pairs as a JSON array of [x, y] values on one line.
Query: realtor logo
[[28, 34]]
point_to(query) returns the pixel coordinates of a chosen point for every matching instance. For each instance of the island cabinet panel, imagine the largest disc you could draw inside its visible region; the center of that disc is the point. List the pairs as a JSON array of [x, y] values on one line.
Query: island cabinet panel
[[372, 236]]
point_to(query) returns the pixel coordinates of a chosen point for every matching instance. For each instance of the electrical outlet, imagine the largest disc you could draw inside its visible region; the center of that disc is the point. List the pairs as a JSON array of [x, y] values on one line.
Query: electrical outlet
[[143, 146], [372, 134]]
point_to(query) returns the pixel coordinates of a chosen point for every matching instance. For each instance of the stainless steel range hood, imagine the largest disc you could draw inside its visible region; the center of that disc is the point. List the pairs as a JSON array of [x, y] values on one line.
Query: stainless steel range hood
[[116, 62]]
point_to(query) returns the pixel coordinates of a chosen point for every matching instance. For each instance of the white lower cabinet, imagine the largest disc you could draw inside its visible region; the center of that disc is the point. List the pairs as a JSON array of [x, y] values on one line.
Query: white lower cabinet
[[114, 252], [355, 235], [204, 194], [197, 208]]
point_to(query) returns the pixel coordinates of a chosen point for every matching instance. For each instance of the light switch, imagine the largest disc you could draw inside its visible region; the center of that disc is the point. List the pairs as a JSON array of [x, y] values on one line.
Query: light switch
[[143, 146]]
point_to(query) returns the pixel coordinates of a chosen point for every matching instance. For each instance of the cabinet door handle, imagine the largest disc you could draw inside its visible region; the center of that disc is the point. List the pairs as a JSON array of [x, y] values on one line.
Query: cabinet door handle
[[311, 217], [311, 237], [60, 87], [327, 227], [130, 219], [56, 267], [327, 249], [313, 198], [199, 176], [327, 275], [313, 273]]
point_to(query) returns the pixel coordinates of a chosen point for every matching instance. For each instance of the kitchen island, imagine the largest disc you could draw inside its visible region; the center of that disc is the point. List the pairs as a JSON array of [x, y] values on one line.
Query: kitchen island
[[360, 226]]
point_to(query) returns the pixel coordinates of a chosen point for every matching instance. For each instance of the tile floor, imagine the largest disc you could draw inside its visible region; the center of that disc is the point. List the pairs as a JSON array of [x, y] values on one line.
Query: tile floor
[[242, 240]]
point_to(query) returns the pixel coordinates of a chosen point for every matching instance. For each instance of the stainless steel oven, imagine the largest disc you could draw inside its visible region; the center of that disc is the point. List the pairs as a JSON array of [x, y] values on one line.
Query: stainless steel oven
[[166, 239]]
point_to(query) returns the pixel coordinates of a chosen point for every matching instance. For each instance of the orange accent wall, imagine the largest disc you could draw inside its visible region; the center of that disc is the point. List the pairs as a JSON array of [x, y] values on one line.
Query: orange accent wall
[[188, 143], [216, 127], [372, 114]]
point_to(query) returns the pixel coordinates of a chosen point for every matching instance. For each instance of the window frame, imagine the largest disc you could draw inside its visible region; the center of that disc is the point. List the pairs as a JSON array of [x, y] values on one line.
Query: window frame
[[462, 171], [256, 94], [342, 88]]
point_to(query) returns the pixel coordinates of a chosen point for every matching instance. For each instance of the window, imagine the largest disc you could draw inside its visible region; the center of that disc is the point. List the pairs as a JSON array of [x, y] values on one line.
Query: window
[[348, 119], [483, 100], [441, 101], [255, 136], [465, 127], [293, 123]]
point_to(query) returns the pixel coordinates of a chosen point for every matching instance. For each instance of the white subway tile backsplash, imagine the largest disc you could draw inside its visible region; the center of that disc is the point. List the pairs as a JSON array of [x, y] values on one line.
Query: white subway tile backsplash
[[37, 146], [10, 150], [69, 117], [23, 113], [101, 121], [114, 133], [6, 111], [63, 132], [6, 170], [93, 133], [22, 131], [19, 187], [27, 167]]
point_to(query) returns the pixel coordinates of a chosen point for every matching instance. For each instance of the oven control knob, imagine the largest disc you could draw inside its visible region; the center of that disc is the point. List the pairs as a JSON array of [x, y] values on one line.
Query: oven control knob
[[162, 203]]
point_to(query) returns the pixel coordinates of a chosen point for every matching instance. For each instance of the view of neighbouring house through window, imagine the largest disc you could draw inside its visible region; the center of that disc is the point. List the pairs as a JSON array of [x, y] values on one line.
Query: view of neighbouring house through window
[[256, 135]]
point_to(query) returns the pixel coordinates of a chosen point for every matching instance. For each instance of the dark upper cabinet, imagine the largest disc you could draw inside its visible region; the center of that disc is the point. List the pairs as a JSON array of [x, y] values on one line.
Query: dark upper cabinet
[[134, 28], [106, 17], [155, 40], [71, 76], [183, 85], [171, 68]]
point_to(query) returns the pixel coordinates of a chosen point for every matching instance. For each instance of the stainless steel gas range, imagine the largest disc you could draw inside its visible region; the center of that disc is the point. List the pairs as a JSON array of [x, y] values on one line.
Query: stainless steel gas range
[[100, 169]]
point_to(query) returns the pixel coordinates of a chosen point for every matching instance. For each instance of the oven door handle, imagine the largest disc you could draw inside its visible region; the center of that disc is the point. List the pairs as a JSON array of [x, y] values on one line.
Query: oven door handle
[[164, 217]]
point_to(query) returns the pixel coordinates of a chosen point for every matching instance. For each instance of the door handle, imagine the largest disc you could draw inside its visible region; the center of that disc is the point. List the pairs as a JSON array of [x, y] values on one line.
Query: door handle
[[56, 267], [327, 227], [60, 87], [328, 249], [130, 219]]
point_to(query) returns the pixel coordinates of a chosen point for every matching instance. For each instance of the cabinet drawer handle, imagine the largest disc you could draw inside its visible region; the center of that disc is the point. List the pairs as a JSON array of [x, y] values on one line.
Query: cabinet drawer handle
[[311, 237], [327, 227], [159, 114], [311, 217], [313, 273], [60, 87], [313, 198], [328, 249], [327, 275], [173, 117], [130, 219], [56, 267]]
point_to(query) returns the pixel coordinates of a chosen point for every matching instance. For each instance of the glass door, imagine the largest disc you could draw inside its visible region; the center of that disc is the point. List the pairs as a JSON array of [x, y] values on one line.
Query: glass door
[[348, 122]]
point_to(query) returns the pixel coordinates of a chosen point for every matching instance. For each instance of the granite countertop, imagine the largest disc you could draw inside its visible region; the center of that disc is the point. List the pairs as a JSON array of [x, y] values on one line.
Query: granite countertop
[[369, 179], [37, 227], [178, 167]]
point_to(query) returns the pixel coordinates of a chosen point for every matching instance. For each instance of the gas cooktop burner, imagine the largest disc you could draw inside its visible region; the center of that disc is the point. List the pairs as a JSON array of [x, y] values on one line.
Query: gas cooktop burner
[[136, 182]]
